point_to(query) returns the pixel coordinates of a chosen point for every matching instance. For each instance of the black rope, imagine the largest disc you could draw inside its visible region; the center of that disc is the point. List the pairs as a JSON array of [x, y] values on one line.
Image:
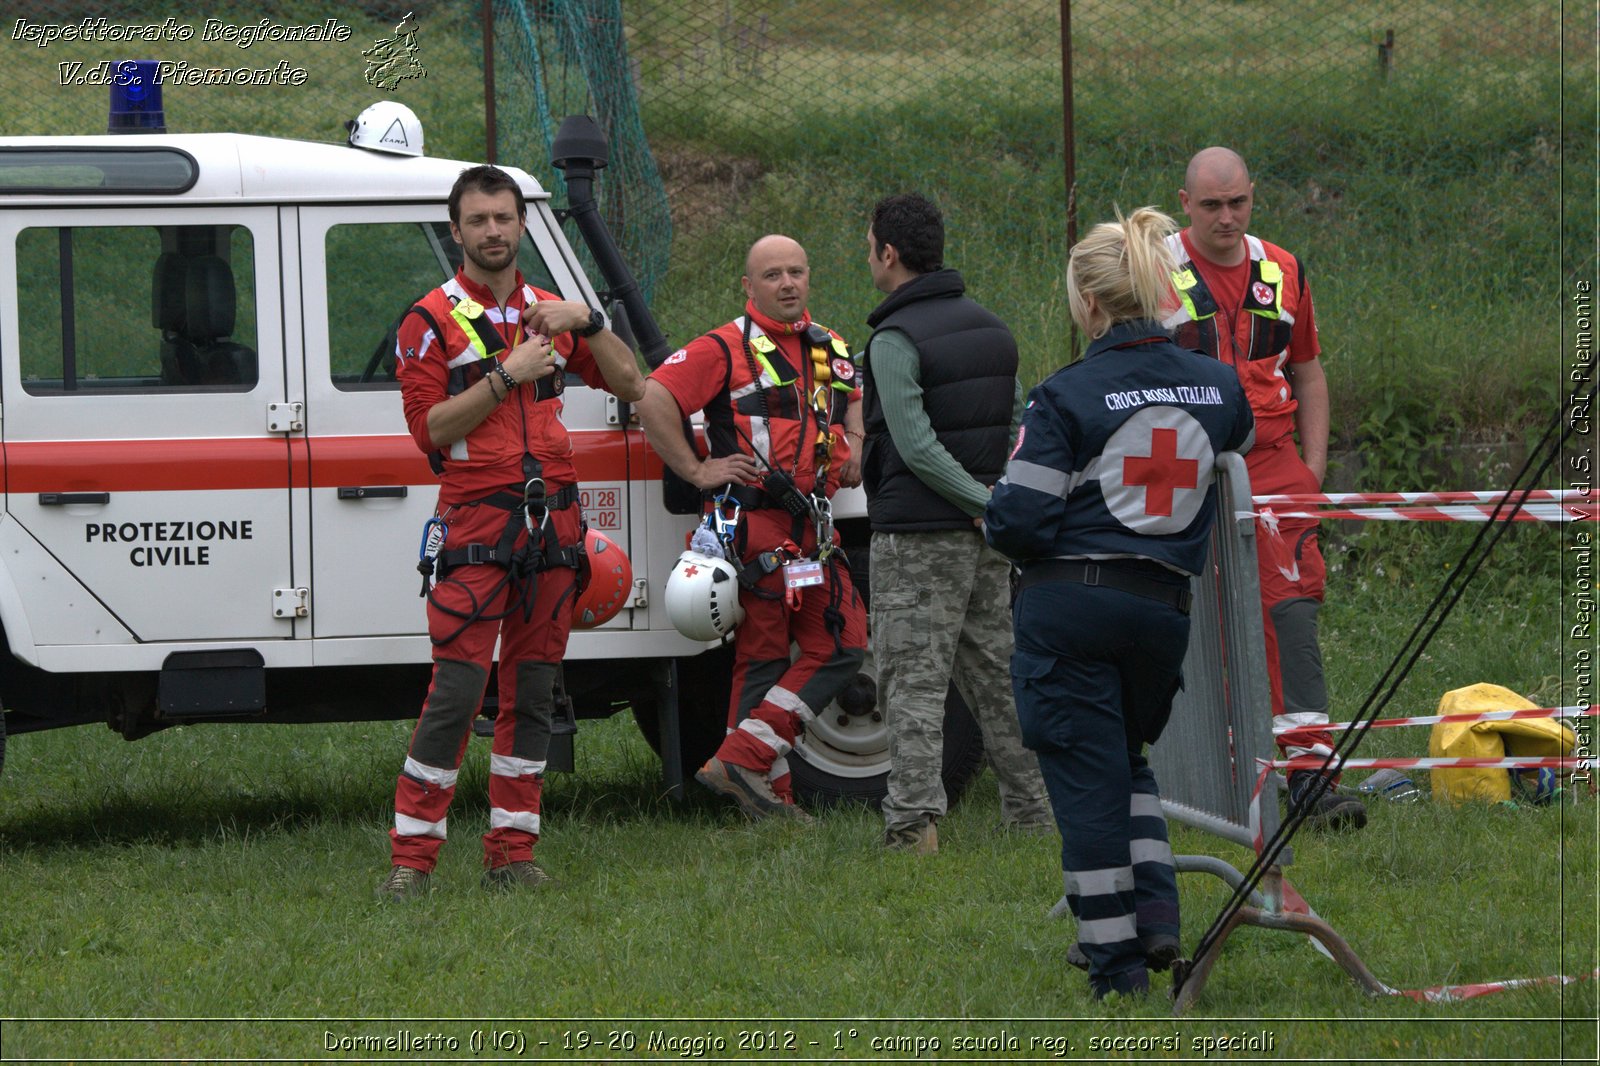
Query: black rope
[[1550, 448]]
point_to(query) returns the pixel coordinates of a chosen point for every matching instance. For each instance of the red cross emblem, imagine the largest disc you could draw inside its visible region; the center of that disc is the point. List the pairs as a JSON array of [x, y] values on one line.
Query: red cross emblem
[[690, 570], [1161, 472]]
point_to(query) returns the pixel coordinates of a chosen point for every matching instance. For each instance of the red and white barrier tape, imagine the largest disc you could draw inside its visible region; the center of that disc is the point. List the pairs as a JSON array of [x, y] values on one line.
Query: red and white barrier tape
[[1316, 762], [1575, 711], [1466, 496], [1459, 512], [1508, 762], [1294, 903], [1457, 993]]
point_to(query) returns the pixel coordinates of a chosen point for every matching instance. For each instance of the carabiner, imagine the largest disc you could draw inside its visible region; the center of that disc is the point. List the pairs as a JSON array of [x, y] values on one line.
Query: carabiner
[[723, 523], [434, 531], [527, 505], [824, 511]]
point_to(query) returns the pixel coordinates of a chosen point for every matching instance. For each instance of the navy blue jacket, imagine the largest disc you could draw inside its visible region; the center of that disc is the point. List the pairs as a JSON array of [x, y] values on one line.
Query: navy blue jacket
[[1116, 455]]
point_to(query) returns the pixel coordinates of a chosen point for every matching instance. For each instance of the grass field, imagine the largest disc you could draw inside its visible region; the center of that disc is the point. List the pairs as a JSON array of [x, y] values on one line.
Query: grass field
[[214, 882], [224, 872]]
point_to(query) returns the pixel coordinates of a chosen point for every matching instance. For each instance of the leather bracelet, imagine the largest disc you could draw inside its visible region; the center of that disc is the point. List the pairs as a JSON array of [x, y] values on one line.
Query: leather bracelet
[[510, 381]]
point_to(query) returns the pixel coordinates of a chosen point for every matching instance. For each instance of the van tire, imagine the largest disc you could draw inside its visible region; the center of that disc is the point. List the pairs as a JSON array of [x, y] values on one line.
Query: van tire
[[831, 764], [836, 763]]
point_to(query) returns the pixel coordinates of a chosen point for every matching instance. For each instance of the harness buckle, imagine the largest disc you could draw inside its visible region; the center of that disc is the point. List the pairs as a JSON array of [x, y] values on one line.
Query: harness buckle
[[478, 554]]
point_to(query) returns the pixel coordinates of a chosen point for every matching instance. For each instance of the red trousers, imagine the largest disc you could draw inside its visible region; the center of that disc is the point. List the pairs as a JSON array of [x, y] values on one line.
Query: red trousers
[[1292, 574], [773, 696], [464, 622]]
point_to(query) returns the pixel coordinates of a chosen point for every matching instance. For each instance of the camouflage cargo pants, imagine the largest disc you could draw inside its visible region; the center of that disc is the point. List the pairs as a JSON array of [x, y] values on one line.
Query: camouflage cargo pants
[[940, 612]]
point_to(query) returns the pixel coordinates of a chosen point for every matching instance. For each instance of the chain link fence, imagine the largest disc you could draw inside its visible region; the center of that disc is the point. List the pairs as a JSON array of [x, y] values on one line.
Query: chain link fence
[[1388, 140]]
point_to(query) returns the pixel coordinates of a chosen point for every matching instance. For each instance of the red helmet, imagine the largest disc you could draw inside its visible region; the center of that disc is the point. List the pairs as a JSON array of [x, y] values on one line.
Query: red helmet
[[610, 582]]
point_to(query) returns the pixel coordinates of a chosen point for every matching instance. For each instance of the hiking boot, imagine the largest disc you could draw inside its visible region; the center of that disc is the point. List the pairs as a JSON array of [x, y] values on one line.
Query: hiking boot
[[1331, 810], [515, 876], [749, 788], [1161, 950], [403, 884], [919, 839]]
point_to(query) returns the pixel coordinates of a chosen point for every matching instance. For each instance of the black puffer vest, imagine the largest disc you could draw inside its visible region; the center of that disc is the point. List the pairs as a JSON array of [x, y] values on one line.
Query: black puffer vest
[[968, 362]]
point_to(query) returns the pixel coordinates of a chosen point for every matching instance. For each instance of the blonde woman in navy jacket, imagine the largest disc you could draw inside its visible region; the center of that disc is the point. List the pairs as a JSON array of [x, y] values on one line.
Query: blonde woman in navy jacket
[[1106, 507]]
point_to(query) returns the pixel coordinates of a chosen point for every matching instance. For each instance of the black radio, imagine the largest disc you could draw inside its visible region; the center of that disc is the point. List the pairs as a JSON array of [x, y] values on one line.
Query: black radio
[[781, 487]]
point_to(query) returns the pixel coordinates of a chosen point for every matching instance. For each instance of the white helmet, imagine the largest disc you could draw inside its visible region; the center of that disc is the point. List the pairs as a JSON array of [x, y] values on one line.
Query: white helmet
[[703, 596], [387, 126]]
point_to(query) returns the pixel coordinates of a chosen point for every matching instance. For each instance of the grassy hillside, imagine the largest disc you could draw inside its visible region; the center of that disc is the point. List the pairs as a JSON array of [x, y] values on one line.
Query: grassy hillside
[[1431, 205]]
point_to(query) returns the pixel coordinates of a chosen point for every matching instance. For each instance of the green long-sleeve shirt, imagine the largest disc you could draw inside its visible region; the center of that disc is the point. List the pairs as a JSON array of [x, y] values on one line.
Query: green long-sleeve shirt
[[897, 378]]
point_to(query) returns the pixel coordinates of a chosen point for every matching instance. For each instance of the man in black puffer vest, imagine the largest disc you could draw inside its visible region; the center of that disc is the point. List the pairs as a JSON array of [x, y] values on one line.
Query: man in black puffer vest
[[941, 400]]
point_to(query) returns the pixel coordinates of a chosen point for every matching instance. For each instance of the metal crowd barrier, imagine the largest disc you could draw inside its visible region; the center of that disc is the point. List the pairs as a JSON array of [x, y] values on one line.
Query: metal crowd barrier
[[1206, 760]]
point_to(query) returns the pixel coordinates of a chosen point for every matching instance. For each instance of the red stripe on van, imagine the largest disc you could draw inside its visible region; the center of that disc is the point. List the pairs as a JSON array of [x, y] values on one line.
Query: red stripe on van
[[147, 465], [214, 463]]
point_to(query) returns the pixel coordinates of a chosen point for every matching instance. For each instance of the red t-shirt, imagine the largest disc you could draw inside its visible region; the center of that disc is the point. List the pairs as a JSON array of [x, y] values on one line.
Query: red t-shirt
[[1264, 382]]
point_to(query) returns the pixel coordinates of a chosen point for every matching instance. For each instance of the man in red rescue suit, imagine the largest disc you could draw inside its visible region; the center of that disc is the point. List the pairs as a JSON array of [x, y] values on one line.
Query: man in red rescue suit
[[481, 362], [782, 407], [1246, 302]]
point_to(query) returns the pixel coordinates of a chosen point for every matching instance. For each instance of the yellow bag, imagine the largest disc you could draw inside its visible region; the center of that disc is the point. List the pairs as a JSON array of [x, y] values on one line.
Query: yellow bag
[[1489, 740]]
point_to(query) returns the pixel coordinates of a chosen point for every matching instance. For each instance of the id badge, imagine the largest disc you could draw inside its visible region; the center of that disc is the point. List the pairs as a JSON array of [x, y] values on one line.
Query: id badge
[[802, 572]]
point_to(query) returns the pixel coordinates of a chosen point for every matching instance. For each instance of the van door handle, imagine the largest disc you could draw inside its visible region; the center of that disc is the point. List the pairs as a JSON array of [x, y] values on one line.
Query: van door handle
[[61, 499], [372, 492]]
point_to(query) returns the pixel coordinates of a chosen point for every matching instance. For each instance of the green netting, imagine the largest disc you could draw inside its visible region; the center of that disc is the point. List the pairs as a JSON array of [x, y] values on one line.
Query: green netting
[[554, 58]]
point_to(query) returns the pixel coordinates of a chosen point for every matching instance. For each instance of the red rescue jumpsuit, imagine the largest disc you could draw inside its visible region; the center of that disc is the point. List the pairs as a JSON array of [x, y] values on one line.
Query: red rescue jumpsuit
[[806, 380], [473, 604], [1258, 322]]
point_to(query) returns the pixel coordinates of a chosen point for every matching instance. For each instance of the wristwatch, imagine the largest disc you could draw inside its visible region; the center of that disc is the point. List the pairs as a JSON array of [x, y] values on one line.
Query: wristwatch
[[597, 322]]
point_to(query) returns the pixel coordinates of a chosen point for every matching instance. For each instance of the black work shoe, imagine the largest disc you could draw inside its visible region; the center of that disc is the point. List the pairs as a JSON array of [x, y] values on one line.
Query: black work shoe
[[749, 788], [1331, 810], [404, 883], [1161, 950], [515, 876]]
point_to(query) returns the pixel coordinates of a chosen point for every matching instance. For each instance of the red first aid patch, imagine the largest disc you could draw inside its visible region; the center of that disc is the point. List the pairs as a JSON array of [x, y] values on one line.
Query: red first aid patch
[[844, 369], [676, 357], [1262, 292]]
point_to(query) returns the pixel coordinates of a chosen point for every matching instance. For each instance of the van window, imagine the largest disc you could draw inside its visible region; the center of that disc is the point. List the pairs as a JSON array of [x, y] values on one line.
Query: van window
[[137, 309], [376, 271]]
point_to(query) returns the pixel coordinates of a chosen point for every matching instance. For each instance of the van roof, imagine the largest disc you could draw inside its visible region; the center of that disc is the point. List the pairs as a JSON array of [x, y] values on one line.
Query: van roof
[[219, 168]]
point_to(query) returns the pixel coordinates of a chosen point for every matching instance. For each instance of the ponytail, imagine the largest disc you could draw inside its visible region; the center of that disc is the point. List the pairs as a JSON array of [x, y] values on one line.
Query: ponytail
[[1125, 268]]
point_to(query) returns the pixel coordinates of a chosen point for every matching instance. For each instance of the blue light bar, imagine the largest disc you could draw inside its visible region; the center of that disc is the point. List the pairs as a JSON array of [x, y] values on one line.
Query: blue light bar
[[136, 98]]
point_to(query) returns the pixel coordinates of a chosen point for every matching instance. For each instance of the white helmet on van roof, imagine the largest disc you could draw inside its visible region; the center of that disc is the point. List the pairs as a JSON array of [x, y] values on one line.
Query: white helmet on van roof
[[387, 126]]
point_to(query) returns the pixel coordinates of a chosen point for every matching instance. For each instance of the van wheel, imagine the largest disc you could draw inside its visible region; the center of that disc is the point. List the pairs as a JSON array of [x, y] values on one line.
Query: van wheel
[[845, 757], [844, 753]]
